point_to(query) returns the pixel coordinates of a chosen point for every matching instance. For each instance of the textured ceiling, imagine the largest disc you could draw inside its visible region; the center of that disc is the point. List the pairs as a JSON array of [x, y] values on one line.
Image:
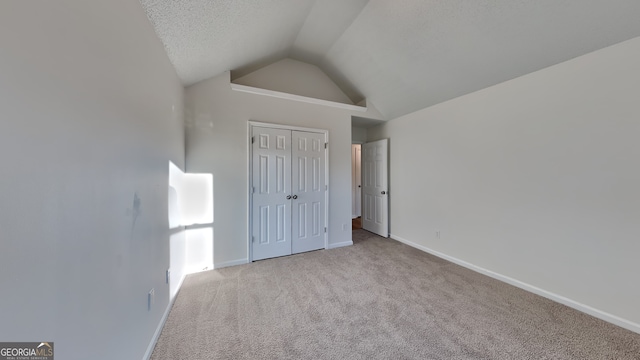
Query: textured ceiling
[[402, 55]]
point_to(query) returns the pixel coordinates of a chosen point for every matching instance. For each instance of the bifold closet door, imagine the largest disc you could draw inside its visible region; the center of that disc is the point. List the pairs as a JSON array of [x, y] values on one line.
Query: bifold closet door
[[288, 192]]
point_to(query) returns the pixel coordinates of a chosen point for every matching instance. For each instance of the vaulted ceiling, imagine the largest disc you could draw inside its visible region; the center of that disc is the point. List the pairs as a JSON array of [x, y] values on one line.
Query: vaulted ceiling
[[401, 55]]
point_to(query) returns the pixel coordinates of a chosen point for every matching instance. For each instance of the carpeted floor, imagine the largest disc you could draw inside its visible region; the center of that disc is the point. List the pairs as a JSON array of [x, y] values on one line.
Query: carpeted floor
[[378, 299]]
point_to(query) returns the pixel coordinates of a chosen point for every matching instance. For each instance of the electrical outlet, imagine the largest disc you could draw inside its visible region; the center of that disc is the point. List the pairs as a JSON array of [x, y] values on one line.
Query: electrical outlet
[[345, 227], [438, 234], [151, 298]]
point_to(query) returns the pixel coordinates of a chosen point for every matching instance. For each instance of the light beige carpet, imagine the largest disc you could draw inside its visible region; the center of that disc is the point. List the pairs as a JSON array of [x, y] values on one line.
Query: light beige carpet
[[378, 299]]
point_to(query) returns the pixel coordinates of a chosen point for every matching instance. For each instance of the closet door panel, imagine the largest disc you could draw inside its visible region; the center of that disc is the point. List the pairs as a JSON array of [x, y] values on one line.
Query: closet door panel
[[271, 212], [309, 187]]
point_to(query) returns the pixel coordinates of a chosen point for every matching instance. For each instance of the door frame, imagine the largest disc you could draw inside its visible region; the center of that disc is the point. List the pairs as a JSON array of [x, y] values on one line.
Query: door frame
[[250, 125]]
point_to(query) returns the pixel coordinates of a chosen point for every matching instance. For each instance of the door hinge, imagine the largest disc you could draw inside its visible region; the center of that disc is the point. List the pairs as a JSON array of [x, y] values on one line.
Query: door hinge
[[326, 187], [253, 139], [254, 189], [325, 229], [253, 239], [325, 145]]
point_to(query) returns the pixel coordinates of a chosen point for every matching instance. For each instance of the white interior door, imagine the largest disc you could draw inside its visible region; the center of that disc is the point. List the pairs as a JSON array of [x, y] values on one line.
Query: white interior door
[[288, 192], [308, 194], [375, 211], [271, 212], [356, 180]]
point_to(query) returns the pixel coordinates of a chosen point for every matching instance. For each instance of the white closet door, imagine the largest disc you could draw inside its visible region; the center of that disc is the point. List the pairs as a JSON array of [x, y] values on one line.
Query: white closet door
[[271, 228], [308, 190]]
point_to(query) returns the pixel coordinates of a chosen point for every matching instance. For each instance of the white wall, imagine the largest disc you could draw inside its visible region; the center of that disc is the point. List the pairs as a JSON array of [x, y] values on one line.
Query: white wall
[[295, 77], [90, 116], [217, 143], [536, 179], [358, 135], [191, 223]]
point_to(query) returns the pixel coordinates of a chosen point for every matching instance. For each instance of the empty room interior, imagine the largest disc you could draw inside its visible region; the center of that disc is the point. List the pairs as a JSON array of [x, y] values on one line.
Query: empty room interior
[[180, 178]]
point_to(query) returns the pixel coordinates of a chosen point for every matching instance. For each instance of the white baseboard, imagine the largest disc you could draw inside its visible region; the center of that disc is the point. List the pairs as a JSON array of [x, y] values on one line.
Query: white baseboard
[[156, 335], [340, 244], [230, 263], [629, 325]]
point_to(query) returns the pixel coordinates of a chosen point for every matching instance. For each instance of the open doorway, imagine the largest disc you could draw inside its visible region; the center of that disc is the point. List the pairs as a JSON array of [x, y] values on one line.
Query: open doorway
[[359, 199], [369, 187]]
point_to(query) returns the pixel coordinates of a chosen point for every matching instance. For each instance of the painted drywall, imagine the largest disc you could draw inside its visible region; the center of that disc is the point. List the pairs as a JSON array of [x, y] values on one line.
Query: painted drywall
[[217, 143], [191, 223], [358, 135], [177, 261], [295, 77], [90, 116], [177, 239], [535, 179]]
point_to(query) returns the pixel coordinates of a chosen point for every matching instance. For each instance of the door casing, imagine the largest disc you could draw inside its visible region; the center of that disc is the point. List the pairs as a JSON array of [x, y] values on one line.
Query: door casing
[[250, 126]]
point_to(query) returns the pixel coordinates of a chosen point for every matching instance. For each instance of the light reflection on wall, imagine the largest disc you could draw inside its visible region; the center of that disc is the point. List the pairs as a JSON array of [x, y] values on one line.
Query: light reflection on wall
[[199, 249], [196, 199], [190, 206]]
